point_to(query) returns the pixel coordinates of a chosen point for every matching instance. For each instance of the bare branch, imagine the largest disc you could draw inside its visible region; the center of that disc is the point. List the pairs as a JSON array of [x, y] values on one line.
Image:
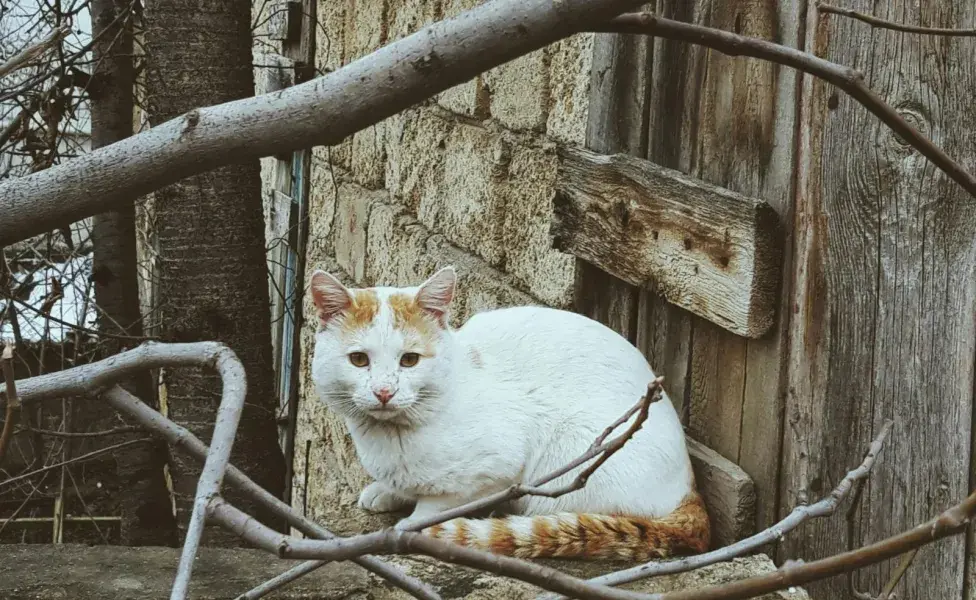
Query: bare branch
[[28, 54], [323, 111], [884, 24], [845, 78], [597, 449], [83, 458], [600, 449], [953, 521], [182, 438], [825, 507]]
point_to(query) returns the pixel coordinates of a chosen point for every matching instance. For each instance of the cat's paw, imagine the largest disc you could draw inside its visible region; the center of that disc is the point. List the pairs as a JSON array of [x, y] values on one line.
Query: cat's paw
[[377, 498]]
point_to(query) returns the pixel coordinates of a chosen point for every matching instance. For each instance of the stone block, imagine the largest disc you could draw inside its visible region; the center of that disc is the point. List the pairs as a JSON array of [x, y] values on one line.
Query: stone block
[[353, 206], [519, 92], [368, 160], [395, 247], [416, 144], [546, 273], [324, 180], [569, 88], [365, 28], [330, 39], [407, 16], [463, 200], [470, 99]]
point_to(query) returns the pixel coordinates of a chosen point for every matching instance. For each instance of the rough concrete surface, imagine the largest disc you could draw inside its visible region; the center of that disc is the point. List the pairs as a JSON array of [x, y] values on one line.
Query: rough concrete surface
[[78, 572]]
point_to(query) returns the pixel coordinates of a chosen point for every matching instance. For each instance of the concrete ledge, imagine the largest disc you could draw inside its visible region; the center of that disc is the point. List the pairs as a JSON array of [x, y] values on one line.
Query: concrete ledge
[[77, 572]]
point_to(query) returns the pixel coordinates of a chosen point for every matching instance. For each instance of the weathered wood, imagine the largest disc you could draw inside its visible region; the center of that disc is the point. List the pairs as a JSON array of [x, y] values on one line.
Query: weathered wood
[[884, 293], [705, 248], [616, 122], [728, 491], [730, 122]]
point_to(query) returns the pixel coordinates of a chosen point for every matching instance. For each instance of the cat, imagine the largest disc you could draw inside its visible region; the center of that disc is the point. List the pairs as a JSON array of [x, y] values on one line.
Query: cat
[[440, 417]]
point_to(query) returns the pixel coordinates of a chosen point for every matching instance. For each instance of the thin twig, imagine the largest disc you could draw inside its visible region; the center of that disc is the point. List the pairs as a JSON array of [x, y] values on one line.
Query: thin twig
[[31, 52], [77, 459], [87, 434], [600, 449], [894, 26], [13, 403], [887, 593], [797, 517], [845, 78]]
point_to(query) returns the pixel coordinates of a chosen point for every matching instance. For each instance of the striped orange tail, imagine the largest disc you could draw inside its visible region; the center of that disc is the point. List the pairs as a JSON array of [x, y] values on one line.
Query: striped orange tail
[[585, 536]]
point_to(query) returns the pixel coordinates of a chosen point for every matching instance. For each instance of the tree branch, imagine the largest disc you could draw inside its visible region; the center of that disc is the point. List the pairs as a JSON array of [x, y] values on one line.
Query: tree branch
[[29, 53], [182, 438], [845, 78], [323, 111], [883, 24], [600, 449], [7, 359], [825, 507]]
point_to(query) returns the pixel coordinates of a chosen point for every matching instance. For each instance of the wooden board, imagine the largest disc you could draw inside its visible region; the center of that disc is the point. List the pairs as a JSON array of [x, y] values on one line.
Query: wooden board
[[707, 249], [884, 294], [729, 494], [616, 121], [729, 121]]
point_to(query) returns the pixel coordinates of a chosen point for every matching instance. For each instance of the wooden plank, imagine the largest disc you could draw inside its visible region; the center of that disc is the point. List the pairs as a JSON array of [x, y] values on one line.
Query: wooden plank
[[702, 247], [616, 122], [728, 491], [884, 293], [731, 122]]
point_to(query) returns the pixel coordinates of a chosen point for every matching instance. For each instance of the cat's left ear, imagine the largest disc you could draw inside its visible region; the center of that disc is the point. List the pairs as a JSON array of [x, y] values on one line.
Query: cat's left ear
[[435, 294]]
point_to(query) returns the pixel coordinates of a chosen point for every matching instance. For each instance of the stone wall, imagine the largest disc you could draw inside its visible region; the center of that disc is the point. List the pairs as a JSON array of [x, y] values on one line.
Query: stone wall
[[464, 179]]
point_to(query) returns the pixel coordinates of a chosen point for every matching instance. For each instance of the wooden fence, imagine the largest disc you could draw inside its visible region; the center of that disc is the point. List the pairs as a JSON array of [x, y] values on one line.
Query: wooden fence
[[788, 341]]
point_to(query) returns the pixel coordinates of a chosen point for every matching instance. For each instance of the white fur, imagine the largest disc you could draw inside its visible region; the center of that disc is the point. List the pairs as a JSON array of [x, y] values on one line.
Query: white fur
[[547, 383]]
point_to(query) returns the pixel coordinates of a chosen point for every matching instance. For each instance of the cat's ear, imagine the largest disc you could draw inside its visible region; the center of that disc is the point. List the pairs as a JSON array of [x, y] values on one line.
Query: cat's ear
[[435, 294], [329, 295]]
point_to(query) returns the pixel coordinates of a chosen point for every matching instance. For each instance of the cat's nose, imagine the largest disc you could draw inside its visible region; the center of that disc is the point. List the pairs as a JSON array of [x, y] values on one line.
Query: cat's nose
[[384, 395]]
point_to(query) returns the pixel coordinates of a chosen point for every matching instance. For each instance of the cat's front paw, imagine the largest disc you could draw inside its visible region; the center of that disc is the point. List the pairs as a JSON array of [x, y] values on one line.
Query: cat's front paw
[[377, 498]]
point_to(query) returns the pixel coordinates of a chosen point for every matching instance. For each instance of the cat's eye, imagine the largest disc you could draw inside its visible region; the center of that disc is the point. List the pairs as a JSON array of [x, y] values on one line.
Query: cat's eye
[[409, 359], [359, 359]]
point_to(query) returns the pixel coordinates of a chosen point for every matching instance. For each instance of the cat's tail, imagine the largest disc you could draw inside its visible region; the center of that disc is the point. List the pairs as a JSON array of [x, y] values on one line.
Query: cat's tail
[[585, 536]]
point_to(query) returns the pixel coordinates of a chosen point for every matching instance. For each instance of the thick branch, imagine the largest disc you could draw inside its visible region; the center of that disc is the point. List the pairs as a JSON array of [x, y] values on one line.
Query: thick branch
[[845, 78], [323, 111], [884, 24]]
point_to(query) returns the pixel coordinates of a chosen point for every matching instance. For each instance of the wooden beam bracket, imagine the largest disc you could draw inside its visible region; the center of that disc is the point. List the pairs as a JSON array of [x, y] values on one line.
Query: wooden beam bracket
[[710, 250]]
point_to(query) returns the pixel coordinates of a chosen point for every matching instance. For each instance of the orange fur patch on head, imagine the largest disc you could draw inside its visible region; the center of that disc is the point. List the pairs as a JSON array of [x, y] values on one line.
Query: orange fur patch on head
[[408, 315], [365, 305]]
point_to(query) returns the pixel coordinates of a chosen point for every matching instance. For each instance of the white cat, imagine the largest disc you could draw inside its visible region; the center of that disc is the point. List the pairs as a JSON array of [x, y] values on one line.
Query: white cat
[[440, 417]]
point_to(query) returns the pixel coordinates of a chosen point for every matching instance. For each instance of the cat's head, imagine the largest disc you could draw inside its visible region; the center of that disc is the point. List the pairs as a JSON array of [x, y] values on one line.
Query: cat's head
[[382, 353]]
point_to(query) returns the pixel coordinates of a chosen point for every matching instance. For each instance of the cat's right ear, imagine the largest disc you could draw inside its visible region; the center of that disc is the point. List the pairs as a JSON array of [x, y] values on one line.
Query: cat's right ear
[[329, 296]]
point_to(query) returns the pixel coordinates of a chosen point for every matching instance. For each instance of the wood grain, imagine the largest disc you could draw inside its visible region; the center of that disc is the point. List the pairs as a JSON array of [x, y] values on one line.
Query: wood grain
[[616, 122], [884, 293], [731, 122], [728, 491], [707, 249]]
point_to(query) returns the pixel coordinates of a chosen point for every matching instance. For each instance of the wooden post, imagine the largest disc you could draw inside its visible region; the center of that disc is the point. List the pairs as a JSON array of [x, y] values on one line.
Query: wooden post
[[884, 292]]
